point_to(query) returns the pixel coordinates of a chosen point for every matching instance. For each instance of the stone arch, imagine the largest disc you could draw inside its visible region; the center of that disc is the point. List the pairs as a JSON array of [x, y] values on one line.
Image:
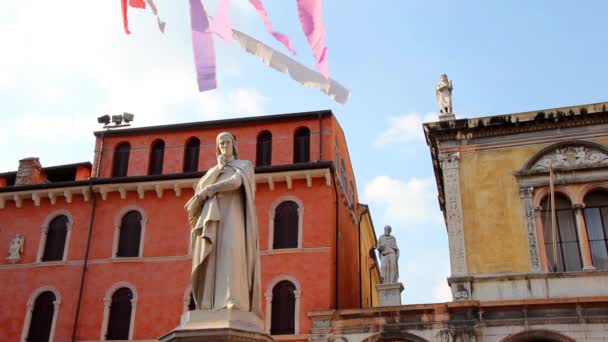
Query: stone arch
[[107, 301], [44, 229], [118, 221], [272, 213], [394, 336], [538, 335], [268, 295], [532, 164], [30, 308], [588, 188]]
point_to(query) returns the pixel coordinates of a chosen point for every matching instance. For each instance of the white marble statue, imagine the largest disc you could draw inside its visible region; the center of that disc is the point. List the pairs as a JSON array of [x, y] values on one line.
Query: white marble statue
[[15, 249], [389, 256], [225, 259], [443, 91]]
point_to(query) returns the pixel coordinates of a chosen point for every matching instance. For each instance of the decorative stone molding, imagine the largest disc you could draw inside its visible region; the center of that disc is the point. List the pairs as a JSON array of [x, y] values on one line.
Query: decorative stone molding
[[159, 188], [117, 223], [526, 195], [30, 308], [44, 229], [453, 212], [107, 302], [272, 213], [570, 157], [297, 293]]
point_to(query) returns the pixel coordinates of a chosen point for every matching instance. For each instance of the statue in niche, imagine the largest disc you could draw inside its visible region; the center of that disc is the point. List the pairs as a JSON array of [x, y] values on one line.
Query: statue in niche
[[389, 256], [443, 91], [15, 249], [225, 259]]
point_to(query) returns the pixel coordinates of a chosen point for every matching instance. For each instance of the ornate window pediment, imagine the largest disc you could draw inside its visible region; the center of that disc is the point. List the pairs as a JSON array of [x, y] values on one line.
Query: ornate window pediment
[[572, 155]]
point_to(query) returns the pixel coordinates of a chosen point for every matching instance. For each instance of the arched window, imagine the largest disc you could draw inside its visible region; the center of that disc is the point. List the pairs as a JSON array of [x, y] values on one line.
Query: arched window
[[596, 219], [119, 321], [121, 160], [55, 239], [565, 244], [301, 146], [157, 154], [41, 321], [191, 155], [264, 149], [283, 308], [286, 222], [129, 235]]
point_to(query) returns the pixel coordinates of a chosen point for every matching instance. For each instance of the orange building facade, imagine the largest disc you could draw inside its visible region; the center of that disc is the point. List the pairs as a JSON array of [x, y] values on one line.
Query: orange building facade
[[306, 164]]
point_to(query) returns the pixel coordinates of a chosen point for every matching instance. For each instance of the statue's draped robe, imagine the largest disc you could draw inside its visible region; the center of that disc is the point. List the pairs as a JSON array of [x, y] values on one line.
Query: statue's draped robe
[[389, 268], [225, 260], [444, 96]]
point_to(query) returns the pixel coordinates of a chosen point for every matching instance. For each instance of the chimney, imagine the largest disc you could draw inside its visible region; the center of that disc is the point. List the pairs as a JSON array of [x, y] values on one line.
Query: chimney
[[30, 172]]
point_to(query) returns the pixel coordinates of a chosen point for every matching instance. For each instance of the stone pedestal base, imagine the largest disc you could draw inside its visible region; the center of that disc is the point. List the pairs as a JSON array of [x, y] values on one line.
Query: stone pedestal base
[[390, 294], [447, 116], [218, 326]]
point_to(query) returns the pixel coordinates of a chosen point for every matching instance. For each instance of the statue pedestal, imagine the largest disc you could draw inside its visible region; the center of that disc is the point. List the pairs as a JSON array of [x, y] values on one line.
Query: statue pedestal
[[218, 326], [390, 294], [447, 116]]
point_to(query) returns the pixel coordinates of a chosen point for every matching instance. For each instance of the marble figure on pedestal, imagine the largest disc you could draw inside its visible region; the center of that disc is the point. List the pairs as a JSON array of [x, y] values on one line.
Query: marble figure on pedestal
[[389, 256], [222, 214]]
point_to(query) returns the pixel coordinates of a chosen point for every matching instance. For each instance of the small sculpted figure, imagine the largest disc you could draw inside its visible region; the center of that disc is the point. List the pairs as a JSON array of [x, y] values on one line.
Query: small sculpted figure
[[443, 91], [225, 260], [389, 256], [16, 248]]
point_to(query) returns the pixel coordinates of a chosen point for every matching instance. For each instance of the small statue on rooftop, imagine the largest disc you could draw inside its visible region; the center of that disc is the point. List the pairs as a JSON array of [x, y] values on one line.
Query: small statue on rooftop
[[389, 256], [443, 91]]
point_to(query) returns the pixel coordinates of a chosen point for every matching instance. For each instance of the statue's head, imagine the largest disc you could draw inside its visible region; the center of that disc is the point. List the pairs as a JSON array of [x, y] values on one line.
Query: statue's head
[[387, 230], [226, 145], [444, 77]]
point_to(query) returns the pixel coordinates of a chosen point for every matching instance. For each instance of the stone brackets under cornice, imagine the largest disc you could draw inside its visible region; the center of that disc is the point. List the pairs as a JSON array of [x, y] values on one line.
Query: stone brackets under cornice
[[153, 188]]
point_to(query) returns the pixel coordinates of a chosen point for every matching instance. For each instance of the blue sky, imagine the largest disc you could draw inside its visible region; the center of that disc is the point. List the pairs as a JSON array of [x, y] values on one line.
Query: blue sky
[[63, 63]]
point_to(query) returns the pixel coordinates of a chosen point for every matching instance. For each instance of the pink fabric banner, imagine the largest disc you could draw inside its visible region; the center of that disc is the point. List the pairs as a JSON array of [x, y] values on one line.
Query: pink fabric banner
[[259, 6], [137, 3], [221, 24], [202, 44], [311, 18]]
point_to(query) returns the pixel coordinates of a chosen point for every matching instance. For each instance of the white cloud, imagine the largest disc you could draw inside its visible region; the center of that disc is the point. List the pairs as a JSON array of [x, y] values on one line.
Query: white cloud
[[404, 128], [236, 103], [406, 202], [442, 292]]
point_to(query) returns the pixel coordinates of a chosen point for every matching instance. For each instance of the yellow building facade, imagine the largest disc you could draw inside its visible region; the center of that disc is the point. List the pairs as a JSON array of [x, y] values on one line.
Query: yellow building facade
[[525, 202]]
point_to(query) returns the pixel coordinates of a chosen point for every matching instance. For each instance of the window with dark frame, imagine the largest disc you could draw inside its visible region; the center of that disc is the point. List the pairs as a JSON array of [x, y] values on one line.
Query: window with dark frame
[[596, 220], [264, 149], [191, 153], [55, 239], [283, 309], [121, 160], [119, 320], [286, 221], [301, 145], [129, 235], [157, 155], [566, 245], [42, 318]]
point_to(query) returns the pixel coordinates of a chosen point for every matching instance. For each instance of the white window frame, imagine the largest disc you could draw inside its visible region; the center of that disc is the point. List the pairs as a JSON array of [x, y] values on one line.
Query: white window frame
[[107, 302], [30, 309], [117, 222], [297, 294], [272, 213], [44, 230]]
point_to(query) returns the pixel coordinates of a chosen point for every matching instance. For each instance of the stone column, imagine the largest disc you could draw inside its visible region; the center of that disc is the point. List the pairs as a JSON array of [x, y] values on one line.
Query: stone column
[[583, 239], [453, 212], [530, 222]]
